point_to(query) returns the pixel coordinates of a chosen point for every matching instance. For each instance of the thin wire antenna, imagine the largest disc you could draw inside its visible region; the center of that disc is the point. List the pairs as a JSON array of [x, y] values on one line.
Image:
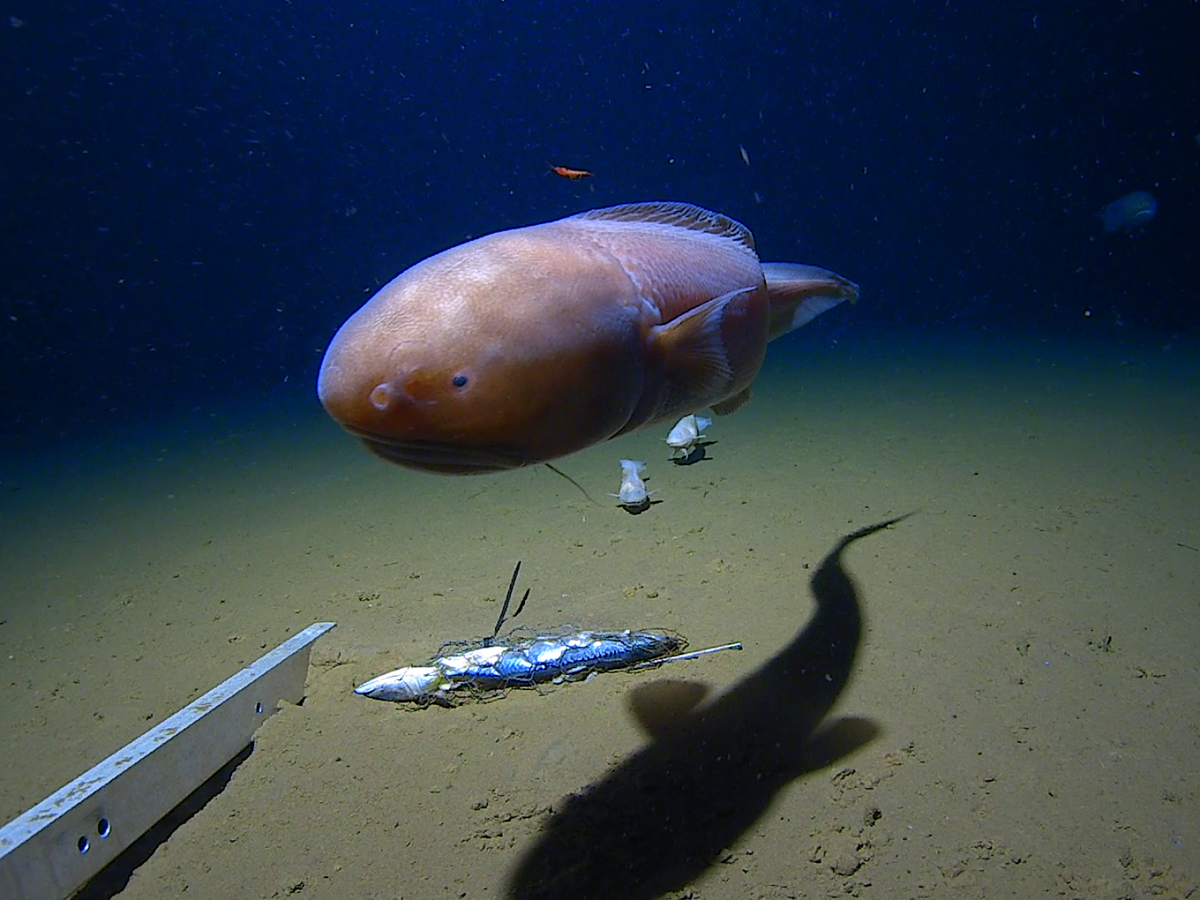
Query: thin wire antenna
[[508, 599], [695, 654]]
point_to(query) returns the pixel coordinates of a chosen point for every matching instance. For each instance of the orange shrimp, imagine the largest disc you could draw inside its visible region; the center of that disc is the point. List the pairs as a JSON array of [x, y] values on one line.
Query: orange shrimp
[[568, 173]]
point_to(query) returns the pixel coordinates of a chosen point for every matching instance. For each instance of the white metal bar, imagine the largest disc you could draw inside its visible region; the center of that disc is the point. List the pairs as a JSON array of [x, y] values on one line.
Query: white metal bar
[[59, 845]]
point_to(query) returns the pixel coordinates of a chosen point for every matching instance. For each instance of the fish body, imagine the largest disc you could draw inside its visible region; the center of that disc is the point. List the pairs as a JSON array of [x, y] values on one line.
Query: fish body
[[571, 174], [686, 433], [1129, 212], [523, 346], [633, 494]]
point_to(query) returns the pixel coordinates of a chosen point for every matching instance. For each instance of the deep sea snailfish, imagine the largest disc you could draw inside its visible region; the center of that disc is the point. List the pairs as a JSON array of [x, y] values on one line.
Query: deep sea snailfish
[[525, 345]]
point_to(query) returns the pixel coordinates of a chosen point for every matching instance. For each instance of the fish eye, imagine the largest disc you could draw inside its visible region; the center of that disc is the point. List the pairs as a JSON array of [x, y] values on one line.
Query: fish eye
[[460, 380]]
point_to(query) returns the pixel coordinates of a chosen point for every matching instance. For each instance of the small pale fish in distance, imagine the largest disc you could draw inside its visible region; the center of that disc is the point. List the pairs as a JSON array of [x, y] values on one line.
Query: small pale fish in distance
[[1128, 213], [633, 496], [686, 433]]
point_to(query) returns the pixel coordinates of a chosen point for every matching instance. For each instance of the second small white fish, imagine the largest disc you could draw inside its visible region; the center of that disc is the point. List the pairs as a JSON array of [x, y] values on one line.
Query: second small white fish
[[686, 433], [633, 496]]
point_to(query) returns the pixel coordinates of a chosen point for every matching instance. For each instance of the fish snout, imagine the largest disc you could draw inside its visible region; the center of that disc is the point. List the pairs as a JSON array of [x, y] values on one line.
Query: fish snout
[[394, 395], [411, 413], [366, 386], [371, 405]]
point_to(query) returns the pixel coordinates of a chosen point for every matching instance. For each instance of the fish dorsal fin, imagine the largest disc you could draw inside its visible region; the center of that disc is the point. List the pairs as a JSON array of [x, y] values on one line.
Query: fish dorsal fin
[[677, 215]]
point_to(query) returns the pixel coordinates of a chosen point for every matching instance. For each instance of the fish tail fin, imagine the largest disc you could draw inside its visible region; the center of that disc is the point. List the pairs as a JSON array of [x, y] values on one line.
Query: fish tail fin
[[800, 293]]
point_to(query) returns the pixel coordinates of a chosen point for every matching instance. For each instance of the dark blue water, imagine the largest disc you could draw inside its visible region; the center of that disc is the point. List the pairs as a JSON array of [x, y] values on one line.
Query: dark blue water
[[195, 196]]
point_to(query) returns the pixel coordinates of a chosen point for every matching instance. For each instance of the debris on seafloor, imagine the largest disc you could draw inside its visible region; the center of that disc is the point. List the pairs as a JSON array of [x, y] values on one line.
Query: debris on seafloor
[[484, 669]]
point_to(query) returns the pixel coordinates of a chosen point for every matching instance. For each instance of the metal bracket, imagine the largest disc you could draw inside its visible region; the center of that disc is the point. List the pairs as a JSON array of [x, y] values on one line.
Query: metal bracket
[[59, 845]]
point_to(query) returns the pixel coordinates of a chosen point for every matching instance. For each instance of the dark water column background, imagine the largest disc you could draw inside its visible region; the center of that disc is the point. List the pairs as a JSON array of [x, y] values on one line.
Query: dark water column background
[[196, 195]]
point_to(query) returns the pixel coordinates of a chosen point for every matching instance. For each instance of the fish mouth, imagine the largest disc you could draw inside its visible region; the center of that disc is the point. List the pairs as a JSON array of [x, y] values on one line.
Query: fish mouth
[[443, 457]]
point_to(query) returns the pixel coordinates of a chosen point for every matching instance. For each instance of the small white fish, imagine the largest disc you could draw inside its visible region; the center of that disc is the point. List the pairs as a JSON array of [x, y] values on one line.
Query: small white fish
[[633, 496], [686, 433]]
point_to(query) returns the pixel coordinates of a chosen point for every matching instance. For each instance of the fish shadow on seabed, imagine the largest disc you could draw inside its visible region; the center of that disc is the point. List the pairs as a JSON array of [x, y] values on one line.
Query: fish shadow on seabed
[[666, 814], [695, 455]]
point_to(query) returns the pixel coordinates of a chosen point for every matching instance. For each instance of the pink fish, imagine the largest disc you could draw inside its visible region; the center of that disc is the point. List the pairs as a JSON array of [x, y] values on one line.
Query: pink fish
[[526, 345]]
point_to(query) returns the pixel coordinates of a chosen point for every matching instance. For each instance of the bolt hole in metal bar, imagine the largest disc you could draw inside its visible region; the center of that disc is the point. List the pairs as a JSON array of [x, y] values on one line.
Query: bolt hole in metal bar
[[59, 845]]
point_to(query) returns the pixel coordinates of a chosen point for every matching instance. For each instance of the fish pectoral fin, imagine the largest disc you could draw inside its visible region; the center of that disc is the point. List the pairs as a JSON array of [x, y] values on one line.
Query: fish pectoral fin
[[800, 293], [734, 403], [692, 349]]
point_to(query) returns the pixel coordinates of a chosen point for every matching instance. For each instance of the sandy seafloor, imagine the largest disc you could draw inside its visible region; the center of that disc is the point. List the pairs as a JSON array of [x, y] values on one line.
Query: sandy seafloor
[[1024, 713]]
